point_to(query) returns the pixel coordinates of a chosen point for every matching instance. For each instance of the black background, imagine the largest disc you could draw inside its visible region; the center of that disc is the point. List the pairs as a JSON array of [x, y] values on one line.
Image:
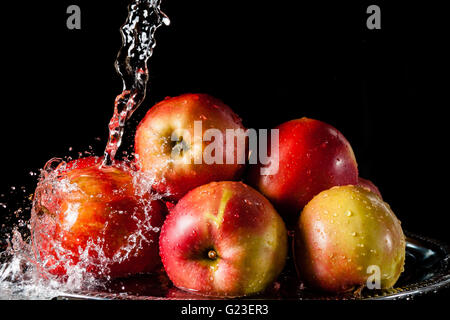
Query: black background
[[271, 61]]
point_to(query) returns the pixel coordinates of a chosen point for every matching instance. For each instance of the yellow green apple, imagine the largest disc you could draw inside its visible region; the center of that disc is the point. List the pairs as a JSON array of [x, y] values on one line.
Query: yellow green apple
[[347, 236]]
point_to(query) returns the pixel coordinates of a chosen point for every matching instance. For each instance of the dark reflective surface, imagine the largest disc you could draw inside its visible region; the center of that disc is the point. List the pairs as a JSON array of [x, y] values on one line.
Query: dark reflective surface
[[426, 270]]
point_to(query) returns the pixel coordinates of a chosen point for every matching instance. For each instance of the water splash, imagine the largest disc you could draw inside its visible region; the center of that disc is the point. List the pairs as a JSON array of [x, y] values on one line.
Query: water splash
[[138, 42], [25, 274]]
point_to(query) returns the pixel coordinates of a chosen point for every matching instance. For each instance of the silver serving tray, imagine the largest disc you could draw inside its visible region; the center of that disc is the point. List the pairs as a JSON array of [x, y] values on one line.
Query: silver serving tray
[[427, 270]]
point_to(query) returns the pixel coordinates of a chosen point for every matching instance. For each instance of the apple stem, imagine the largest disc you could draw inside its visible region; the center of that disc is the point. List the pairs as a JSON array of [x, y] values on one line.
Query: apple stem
[[212, 254]]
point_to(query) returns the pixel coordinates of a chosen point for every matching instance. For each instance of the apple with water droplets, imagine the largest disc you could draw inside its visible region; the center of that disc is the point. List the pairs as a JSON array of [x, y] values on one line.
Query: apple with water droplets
[[223, 239], [93, 219], [313, 156], [182, 143], [347, 237]]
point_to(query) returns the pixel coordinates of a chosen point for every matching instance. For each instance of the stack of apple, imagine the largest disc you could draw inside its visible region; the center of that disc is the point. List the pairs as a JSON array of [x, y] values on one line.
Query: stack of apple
[[221, 236]]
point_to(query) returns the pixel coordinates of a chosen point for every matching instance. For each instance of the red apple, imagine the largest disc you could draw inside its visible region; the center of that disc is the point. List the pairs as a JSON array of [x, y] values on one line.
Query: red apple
[[369, 185], [346, 238], [313, 156], [92, 218], [168, 148], [223, 239]]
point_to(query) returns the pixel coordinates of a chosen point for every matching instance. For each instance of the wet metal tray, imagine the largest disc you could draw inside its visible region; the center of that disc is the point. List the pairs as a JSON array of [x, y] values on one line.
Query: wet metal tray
[[427, 270]]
